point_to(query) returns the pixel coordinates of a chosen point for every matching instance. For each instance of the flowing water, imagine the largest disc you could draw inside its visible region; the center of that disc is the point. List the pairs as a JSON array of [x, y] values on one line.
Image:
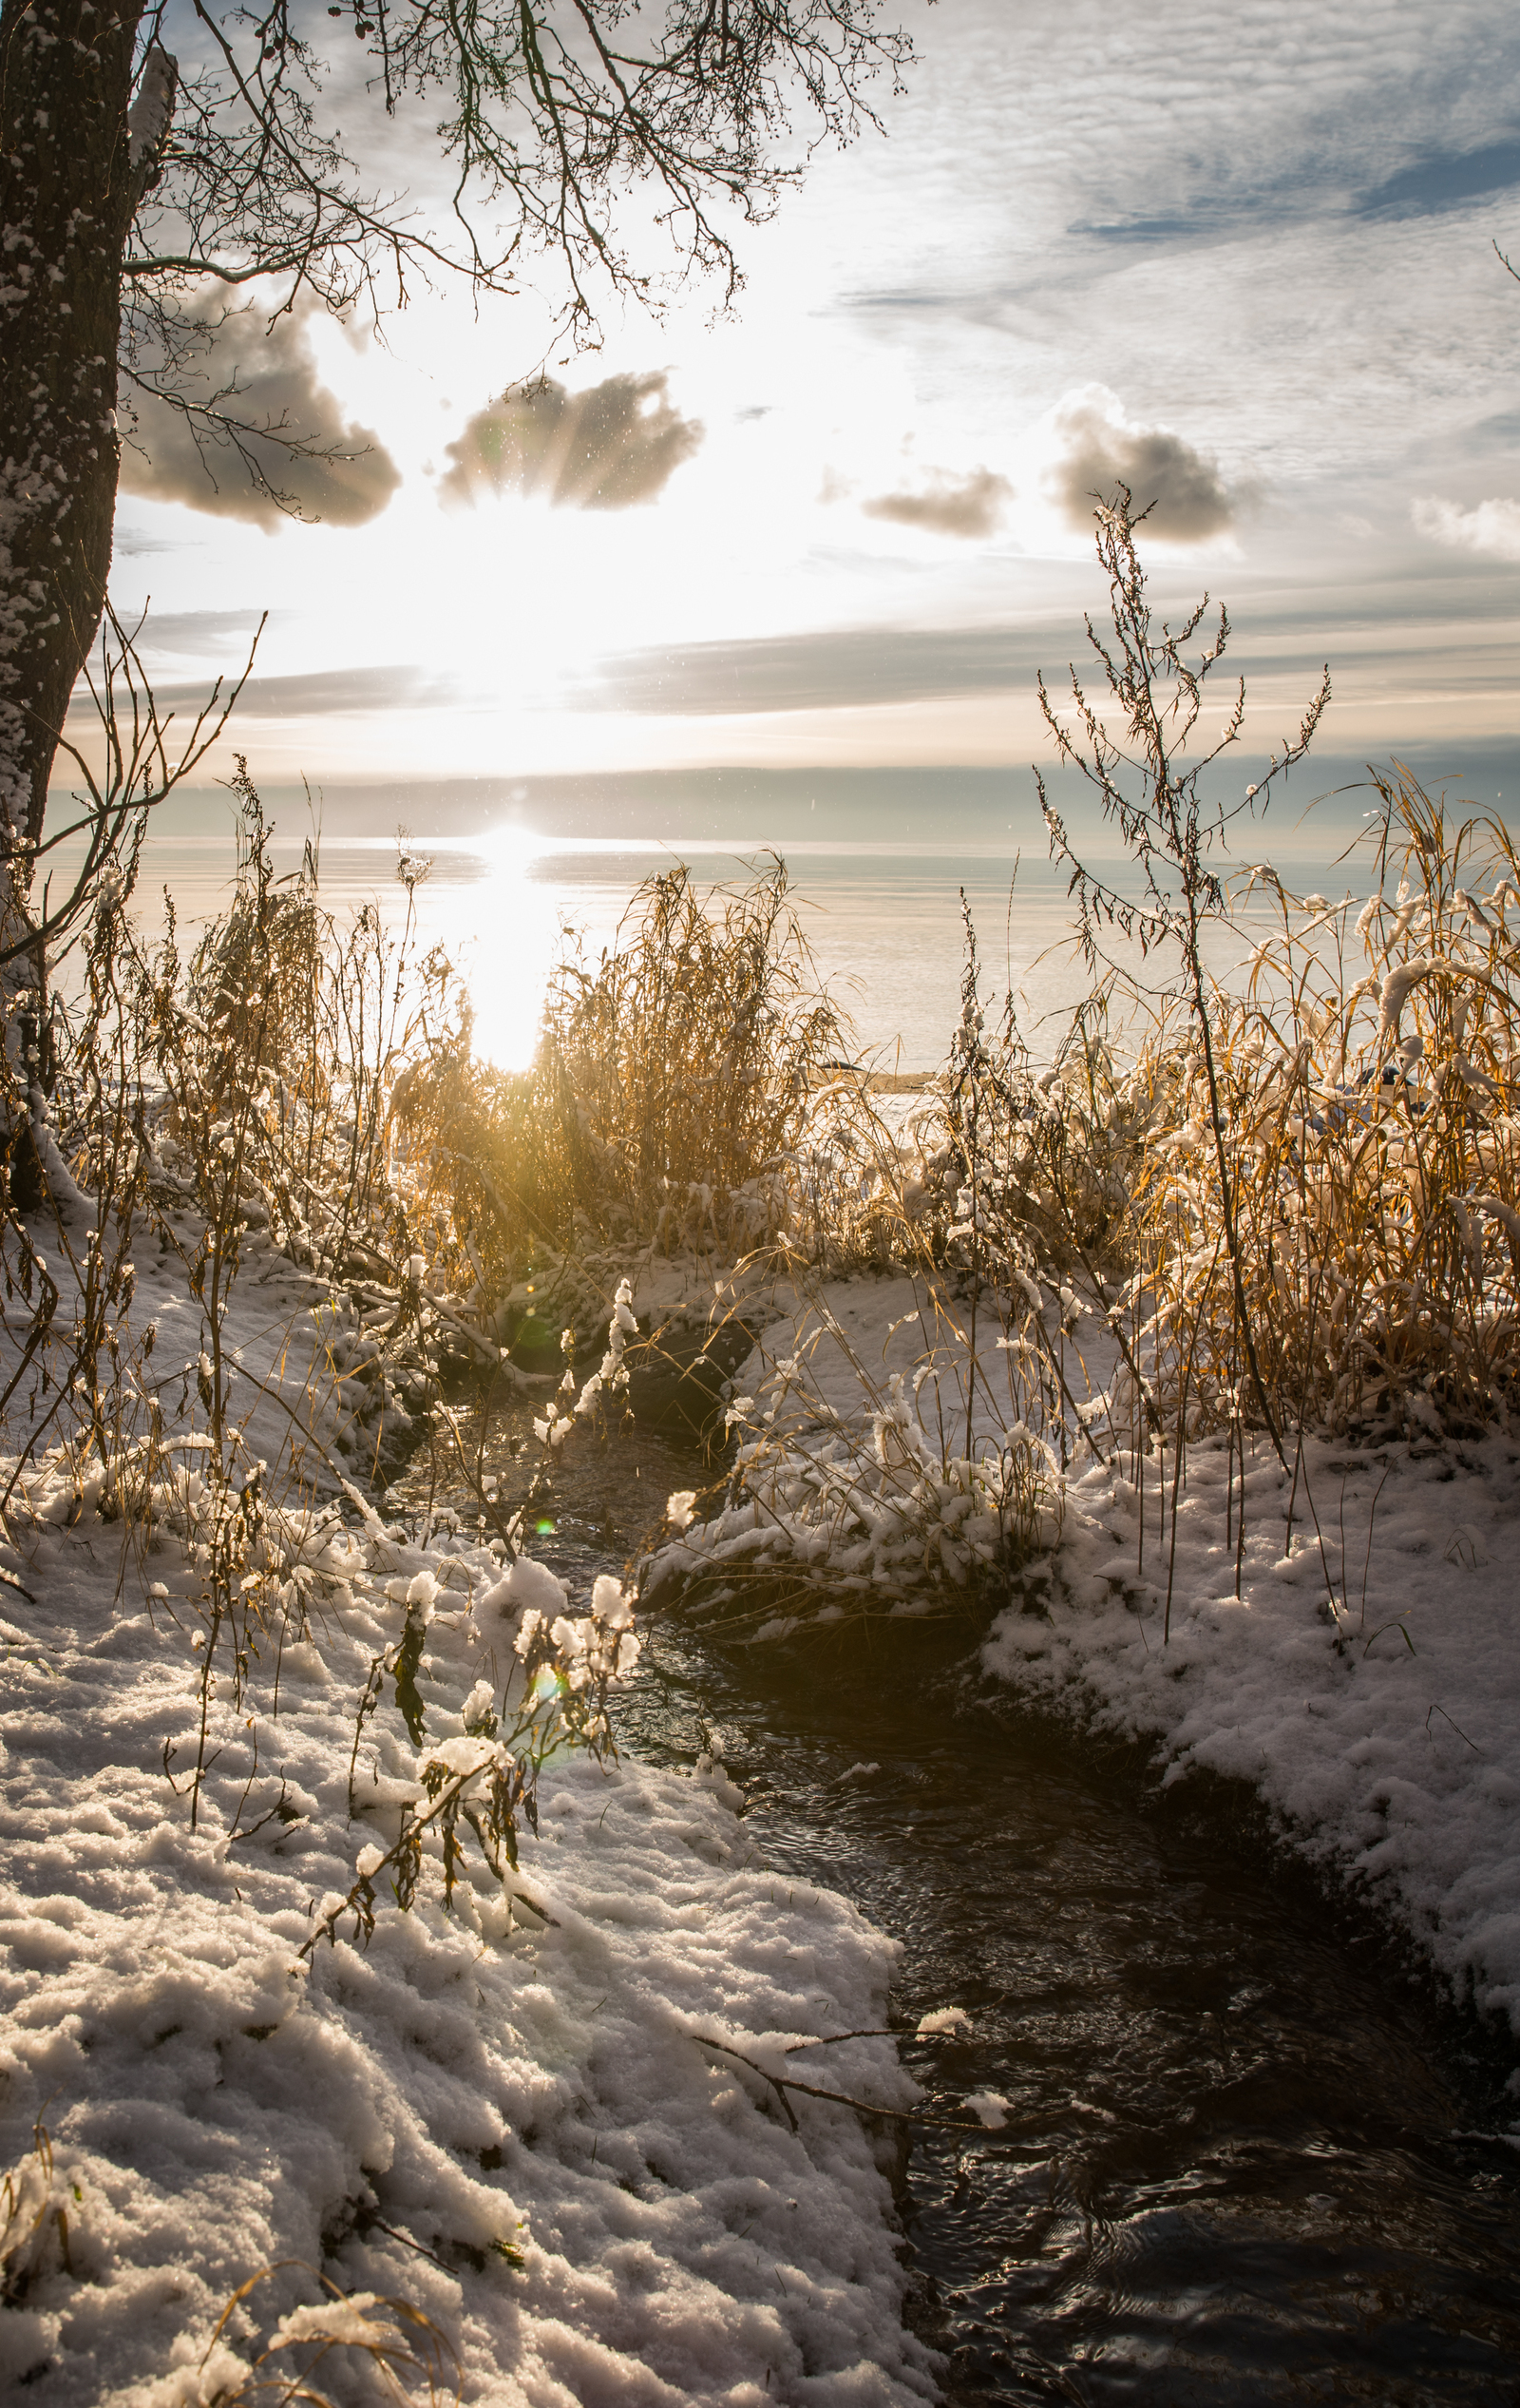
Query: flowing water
[[1247, 2160]]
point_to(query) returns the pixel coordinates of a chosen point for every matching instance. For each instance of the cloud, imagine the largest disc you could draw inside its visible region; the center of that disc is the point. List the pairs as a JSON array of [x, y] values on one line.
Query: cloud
[[194, 633], [133, 544], [617, 444], [829, 669], [1182, 226], [1491, 526], [273, 382], [1101, 448], [312, 694], [965, 506]]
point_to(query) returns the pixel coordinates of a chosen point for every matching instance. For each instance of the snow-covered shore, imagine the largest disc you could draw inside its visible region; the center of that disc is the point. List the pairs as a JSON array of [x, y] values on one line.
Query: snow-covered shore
[[1365, 1683], [502, 2118]]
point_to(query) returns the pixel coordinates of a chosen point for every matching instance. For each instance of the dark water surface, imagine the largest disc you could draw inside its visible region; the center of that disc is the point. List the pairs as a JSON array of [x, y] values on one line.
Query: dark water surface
[[1245, 2160]]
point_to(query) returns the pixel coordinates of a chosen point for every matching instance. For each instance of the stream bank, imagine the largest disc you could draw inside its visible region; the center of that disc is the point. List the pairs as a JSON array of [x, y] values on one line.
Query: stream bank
[[1245, 2158]]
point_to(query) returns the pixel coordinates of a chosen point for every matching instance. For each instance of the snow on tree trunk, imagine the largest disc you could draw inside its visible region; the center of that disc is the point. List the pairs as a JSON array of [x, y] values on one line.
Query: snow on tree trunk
[[67, 190]]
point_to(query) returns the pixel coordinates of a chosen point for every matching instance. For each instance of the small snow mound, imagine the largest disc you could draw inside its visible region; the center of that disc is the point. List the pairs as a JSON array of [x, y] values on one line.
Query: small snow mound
[[527, 1585], [330, 2321], [943, 2019], [198, 2381], [990, 2108]]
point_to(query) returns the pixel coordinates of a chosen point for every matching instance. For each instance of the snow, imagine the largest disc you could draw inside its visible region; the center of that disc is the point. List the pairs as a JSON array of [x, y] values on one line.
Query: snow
[[509, 2118], [521, 2126], [991, 2109], [941, 2018], [1365, 1684], [1380, 1723], [868, 1461]]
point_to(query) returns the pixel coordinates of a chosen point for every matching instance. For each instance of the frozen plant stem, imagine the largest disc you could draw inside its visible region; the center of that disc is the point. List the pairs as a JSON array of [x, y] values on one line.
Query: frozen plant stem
[[1182, 1441], [1165, 825]]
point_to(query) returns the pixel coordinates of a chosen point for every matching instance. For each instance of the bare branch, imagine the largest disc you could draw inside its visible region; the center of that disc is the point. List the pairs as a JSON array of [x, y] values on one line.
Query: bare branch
[[141, 767]]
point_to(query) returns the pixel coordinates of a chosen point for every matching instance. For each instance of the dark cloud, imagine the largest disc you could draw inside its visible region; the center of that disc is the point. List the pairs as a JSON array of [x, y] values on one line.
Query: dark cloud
[[607, 449], [966, 505], [1101, 449], [273, 383], [1180, 228]]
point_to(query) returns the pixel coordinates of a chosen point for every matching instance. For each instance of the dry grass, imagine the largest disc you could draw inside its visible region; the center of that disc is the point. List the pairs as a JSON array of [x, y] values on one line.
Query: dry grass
[[1369, 1080], [1293, 1201], [911, 1499], [1289, 1200], [34, 2203], [671, 1085], [407, 2356]]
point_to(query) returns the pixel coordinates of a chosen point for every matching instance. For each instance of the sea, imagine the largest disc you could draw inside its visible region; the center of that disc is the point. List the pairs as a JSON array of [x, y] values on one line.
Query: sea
[[885, 926]]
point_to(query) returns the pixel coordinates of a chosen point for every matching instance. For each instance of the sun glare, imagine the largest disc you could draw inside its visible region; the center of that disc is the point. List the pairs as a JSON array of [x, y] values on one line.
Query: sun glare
[[504, 932], [510, 847]]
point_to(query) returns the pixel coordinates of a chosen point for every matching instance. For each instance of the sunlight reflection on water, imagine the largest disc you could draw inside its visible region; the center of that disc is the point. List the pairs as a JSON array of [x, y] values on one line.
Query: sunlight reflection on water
[[884, 927]]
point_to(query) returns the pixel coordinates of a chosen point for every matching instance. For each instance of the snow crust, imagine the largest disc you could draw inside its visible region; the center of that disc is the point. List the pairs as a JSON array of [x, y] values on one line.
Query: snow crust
[[217, 2105]]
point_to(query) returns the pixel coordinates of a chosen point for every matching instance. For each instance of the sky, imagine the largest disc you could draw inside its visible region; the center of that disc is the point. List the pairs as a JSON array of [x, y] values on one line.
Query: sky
[[1244, 258]]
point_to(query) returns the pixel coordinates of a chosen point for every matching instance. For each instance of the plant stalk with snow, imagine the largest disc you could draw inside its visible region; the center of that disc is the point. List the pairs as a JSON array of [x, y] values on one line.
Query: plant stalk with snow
[[1152, 795]]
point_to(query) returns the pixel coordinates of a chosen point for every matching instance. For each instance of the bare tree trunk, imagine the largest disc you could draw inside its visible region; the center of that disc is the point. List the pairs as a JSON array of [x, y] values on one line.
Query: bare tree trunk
[[68, 192]]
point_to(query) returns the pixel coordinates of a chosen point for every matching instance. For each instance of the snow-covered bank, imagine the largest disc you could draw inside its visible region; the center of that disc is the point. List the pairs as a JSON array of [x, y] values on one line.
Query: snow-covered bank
[[868, 1466], [504, 2121], [1366, 1683], [502, 2118]]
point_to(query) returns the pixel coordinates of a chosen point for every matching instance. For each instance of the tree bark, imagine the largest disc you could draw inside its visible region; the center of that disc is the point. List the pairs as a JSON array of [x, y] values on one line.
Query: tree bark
[[67, 193]]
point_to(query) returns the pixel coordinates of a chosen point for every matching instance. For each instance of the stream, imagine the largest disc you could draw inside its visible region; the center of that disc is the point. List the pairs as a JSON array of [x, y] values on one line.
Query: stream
[[1248, 2158]]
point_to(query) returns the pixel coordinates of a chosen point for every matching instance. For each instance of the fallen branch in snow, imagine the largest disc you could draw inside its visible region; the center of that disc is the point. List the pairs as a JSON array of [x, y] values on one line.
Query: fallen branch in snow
[[872, 2032], [782, 2083]]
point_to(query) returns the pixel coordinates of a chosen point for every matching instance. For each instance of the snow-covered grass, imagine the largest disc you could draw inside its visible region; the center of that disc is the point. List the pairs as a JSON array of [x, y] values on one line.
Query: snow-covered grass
[[872, 1473], [363, 2019], [498, 2112], [501, 2115]]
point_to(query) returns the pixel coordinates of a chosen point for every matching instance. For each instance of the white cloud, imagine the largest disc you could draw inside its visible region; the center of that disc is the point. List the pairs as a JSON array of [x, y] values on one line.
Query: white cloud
[[1491, 526]]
